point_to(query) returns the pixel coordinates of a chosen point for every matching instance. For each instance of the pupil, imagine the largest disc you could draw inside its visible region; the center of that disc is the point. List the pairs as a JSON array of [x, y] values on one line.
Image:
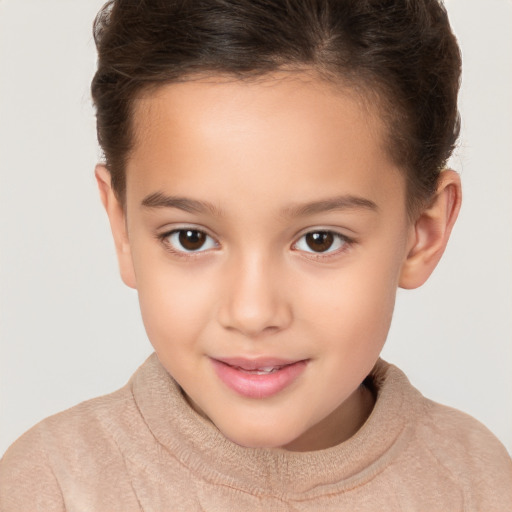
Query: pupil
[[191, 239], [320, 241]]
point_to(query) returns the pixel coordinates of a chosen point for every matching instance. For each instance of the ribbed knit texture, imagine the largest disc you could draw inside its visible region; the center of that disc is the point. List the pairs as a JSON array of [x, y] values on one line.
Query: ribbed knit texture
[[144, 448]]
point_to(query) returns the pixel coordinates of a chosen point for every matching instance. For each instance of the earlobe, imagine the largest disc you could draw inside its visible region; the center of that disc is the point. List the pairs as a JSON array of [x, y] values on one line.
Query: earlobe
[[431, 232], [117, 219]]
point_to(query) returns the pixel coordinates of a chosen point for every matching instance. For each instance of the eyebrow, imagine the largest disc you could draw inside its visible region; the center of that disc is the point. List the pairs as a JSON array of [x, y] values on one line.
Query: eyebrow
[[345, 202], [160, 200]]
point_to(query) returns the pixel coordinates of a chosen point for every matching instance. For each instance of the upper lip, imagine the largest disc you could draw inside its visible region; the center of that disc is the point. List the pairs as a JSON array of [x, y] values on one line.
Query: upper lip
[[256, 363]]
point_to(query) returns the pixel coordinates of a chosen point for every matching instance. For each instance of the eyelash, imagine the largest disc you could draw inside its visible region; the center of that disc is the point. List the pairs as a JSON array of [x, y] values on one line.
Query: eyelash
[[164, 239], [345, 241]]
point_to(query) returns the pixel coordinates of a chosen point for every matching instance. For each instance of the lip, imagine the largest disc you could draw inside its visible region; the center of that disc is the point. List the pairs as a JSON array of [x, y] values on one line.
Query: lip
[[233, 372]]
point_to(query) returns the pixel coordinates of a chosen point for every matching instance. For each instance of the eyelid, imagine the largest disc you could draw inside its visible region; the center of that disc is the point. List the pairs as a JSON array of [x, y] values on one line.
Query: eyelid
[[348, 242], [164, 235]]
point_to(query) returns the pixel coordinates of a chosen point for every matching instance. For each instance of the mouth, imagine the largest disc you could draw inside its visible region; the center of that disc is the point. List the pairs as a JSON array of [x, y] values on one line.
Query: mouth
[[258, 378]]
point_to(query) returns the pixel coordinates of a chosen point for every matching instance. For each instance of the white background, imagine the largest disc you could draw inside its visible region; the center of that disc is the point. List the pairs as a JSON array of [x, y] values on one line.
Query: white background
[[69, 329]]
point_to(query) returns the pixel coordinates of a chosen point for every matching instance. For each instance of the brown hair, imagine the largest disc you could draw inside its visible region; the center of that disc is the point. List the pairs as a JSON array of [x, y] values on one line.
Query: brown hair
[[401, 51]]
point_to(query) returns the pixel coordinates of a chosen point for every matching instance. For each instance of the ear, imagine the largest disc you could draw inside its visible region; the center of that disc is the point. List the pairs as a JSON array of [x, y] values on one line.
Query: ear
[[117, 218], [431, 231]]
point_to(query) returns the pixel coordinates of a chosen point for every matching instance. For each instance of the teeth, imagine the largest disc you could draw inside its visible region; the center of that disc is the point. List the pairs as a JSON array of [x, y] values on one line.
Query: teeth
[[260, 371]]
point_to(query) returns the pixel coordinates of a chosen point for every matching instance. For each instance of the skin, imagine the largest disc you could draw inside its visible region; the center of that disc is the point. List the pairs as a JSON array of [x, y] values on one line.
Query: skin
[[255, 152]]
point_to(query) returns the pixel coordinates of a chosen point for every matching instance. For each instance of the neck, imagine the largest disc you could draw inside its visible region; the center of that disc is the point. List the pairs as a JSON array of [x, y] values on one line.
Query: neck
[[339, 426]]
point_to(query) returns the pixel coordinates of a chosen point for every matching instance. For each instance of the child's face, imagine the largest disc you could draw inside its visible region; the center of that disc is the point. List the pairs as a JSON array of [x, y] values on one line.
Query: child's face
[[267, 226]]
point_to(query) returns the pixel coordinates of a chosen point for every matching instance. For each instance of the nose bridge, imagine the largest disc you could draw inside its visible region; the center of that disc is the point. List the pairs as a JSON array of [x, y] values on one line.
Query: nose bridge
[[254, 300]]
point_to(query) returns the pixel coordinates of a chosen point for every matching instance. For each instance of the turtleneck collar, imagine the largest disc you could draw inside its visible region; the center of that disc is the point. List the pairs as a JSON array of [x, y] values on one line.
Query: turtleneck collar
[[201, 447]]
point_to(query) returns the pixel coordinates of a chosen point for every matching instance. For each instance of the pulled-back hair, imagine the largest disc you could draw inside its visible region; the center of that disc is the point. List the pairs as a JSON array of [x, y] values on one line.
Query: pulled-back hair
[[401, 52]]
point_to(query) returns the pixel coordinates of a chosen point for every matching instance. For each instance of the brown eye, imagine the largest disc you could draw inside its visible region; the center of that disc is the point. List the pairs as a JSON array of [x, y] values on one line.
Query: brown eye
[[190, 240], [320, 241]]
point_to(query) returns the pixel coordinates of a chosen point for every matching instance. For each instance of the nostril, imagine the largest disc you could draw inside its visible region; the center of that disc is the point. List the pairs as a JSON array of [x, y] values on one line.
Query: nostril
[[255, 322]]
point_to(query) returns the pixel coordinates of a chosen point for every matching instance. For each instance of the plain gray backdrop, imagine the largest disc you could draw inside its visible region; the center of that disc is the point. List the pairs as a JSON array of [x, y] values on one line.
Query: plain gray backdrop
[[70, 330]]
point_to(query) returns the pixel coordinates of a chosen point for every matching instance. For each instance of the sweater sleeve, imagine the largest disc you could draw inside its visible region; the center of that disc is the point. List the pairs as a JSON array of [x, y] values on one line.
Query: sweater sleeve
[[27, 481]]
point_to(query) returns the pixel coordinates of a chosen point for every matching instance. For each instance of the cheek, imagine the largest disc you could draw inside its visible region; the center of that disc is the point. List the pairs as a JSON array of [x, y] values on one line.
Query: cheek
[[354, 306], [350, 327], [175, 304]]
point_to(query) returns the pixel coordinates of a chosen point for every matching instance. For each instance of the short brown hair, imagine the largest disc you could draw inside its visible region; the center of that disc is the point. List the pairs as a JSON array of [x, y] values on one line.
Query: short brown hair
[[402, 50]]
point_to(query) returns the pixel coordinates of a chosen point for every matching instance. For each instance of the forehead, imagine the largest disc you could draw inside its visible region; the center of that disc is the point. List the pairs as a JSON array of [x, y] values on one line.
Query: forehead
[[290, 130], [293, 100]]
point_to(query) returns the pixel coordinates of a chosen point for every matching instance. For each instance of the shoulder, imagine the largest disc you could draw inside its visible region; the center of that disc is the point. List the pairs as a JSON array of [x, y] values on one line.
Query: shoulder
[[83, 426], [445, 451], [37, 470], [461, 434], [26, 477], [450, 434], [468, 453]]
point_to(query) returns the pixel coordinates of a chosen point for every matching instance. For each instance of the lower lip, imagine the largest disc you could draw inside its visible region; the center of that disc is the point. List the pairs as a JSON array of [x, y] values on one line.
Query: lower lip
[[252, 385]]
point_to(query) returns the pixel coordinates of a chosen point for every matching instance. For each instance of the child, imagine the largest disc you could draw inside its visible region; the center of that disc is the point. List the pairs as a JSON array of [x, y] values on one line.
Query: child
[[273, 174]]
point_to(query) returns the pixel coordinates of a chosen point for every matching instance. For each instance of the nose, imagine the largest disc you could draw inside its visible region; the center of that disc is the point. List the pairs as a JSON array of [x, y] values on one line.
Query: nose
[[254, 299]]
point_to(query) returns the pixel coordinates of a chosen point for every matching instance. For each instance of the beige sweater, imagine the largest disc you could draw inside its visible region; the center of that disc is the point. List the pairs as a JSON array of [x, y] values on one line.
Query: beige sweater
[[144, 448]]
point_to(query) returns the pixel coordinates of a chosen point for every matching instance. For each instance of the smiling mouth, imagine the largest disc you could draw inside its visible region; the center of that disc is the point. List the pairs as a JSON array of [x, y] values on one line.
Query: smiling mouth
[[259, 378]]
